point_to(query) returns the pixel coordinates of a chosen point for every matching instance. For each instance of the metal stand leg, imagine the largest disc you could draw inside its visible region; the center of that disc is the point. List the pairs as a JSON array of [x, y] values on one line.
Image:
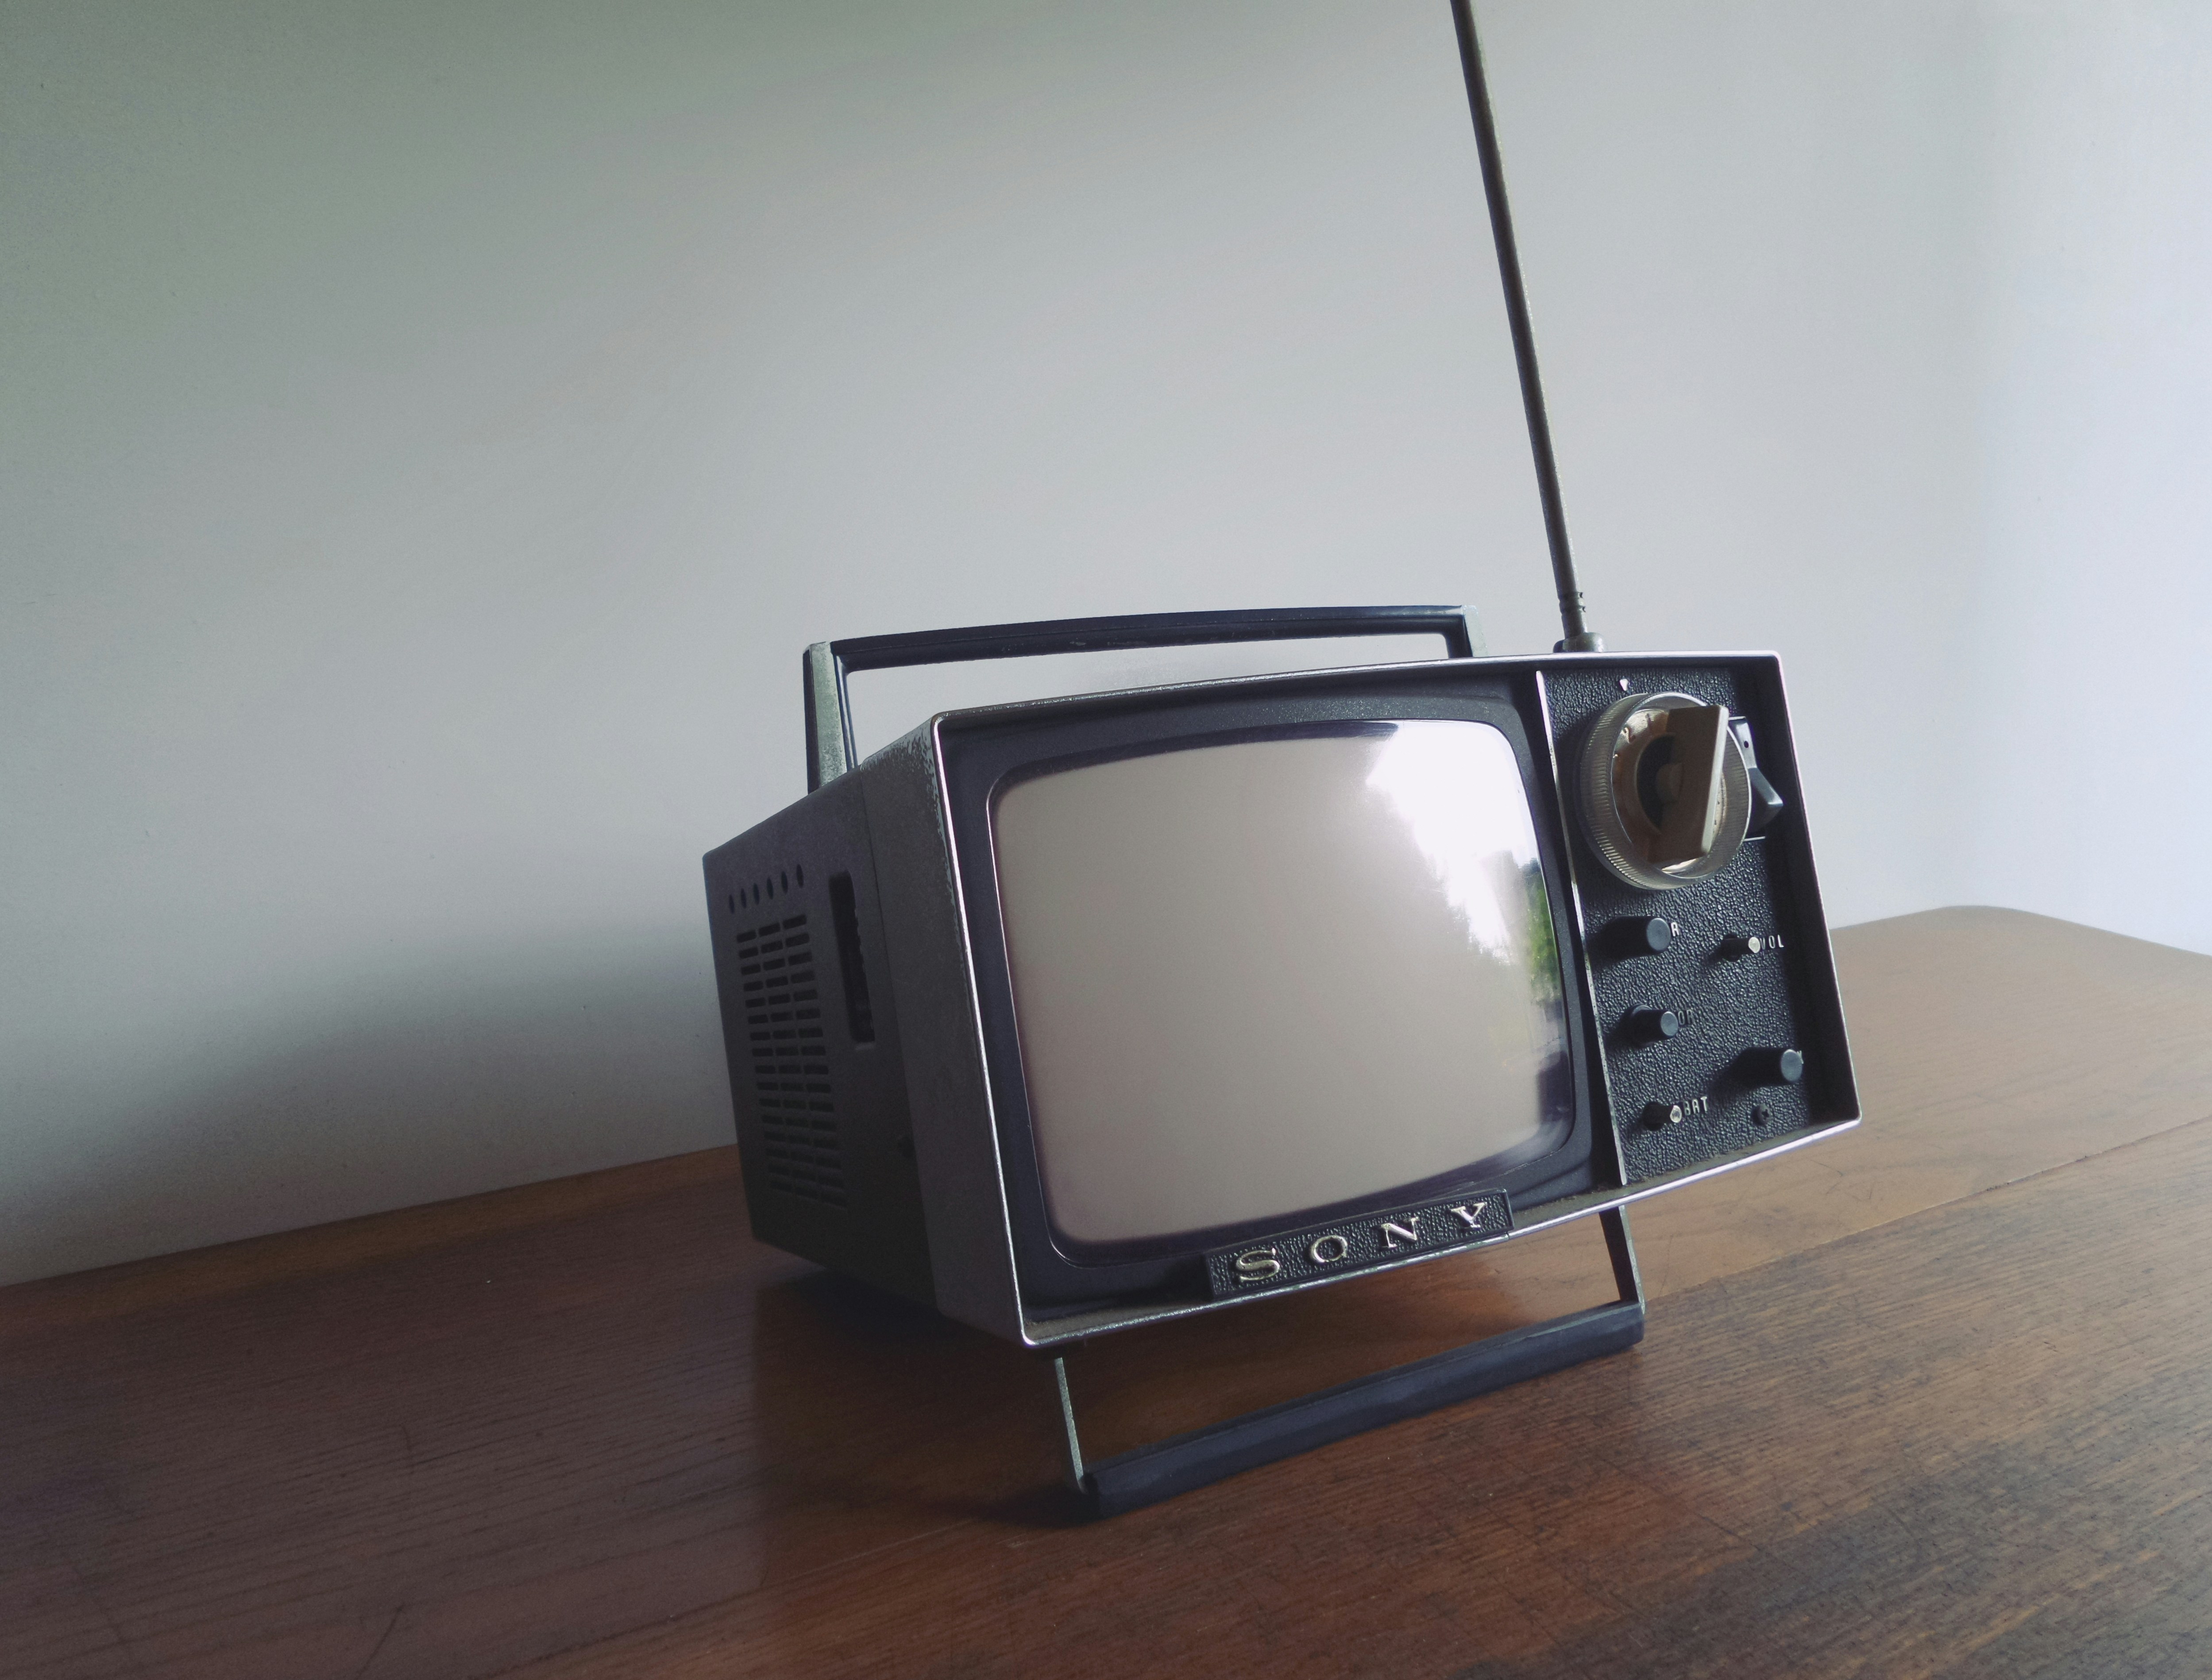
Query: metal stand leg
[[1164, 1469], [1076, 1478]]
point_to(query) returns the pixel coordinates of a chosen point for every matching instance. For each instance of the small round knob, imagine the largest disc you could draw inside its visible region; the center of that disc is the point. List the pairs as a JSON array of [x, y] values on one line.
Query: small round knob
[[1742, 944], [1771, 1066], [1638, 936], [1652, 1026], [1658, 1116]]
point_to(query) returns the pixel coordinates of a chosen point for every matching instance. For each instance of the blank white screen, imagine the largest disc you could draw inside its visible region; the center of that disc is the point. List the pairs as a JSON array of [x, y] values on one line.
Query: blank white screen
[[1260, 977]]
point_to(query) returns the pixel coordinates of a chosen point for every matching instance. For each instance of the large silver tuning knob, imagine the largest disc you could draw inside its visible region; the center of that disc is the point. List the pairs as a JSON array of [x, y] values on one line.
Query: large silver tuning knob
[[1665, 795]]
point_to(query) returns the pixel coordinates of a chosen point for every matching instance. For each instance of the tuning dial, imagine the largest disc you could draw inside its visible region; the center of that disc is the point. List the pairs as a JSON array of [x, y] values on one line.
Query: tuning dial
[[1666, 795], [1770, 1067], [1653, 1026], [1637, 936]]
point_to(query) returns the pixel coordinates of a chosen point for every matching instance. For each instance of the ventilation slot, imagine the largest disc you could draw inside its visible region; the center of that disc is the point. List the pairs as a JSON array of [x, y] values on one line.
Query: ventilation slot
[[859, 1014], [791, 1061]]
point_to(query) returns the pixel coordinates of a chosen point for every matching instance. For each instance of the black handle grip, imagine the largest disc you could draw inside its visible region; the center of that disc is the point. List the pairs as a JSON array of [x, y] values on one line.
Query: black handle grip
[[1152, 629], [826, 663]]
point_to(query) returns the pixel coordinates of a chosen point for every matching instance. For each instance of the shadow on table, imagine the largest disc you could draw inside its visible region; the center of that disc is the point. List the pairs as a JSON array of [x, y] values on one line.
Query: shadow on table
[[864, 1398]]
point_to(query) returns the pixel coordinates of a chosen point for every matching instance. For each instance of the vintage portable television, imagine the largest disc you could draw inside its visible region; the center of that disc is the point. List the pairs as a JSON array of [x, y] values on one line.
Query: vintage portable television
[[1081, 1013]]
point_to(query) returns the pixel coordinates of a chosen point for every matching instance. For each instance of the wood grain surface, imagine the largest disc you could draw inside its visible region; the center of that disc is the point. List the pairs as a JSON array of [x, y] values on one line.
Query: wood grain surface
[[1927, 1399]]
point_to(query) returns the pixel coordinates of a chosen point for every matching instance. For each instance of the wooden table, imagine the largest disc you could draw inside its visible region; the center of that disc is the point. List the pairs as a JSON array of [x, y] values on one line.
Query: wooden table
[[1933, 1398]]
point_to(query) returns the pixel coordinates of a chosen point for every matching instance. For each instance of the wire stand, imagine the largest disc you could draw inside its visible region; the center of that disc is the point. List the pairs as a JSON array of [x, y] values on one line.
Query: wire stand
[[1164, 1469]]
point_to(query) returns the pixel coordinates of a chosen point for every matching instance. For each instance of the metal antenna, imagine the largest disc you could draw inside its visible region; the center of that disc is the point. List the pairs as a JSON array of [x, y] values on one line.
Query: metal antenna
[[1579, 637]]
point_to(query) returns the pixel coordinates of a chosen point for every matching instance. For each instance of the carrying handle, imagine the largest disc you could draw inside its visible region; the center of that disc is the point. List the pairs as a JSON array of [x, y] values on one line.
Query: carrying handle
[[830, 746]]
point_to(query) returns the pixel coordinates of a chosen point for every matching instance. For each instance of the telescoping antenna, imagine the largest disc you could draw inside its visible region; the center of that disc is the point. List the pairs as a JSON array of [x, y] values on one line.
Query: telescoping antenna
[[1578, 637]]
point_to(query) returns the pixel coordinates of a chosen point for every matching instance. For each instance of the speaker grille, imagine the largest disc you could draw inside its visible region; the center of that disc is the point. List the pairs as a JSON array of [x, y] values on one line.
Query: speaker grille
[[791, 1062]]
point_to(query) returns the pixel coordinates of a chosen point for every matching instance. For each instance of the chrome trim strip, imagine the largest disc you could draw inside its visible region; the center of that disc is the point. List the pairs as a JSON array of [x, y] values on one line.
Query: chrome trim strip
[[971, 1250], [1054, 1332]]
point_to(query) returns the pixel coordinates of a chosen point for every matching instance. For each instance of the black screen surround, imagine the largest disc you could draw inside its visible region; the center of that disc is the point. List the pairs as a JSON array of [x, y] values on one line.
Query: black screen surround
[[985, 756]]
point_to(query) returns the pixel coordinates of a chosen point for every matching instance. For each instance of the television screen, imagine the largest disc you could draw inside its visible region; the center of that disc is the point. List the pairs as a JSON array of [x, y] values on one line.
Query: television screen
[[1257, 978]]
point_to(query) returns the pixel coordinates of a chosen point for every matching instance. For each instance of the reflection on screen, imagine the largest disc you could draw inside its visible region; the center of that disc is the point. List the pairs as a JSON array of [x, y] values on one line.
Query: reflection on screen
[[1262, 977]]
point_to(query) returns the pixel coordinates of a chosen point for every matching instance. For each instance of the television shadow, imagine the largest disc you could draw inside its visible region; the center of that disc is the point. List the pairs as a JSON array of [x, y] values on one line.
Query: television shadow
[[864, 1400]]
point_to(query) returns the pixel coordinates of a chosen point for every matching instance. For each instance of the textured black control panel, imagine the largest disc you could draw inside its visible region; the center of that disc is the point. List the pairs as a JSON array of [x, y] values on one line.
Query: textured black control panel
[[1694, 1036]]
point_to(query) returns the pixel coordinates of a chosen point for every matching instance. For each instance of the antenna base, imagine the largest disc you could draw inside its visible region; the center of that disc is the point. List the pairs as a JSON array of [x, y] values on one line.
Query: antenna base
[[1589, 642]]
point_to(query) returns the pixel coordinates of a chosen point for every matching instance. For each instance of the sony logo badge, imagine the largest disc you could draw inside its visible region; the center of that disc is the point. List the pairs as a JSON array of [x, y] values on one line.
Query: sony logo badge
[[1355, 1246]]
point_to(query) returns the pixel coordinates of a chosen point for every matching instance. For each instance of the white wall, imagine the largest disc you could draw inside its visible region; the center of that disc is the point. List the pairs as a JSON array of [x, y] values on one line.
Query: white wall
[[431, 431]]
